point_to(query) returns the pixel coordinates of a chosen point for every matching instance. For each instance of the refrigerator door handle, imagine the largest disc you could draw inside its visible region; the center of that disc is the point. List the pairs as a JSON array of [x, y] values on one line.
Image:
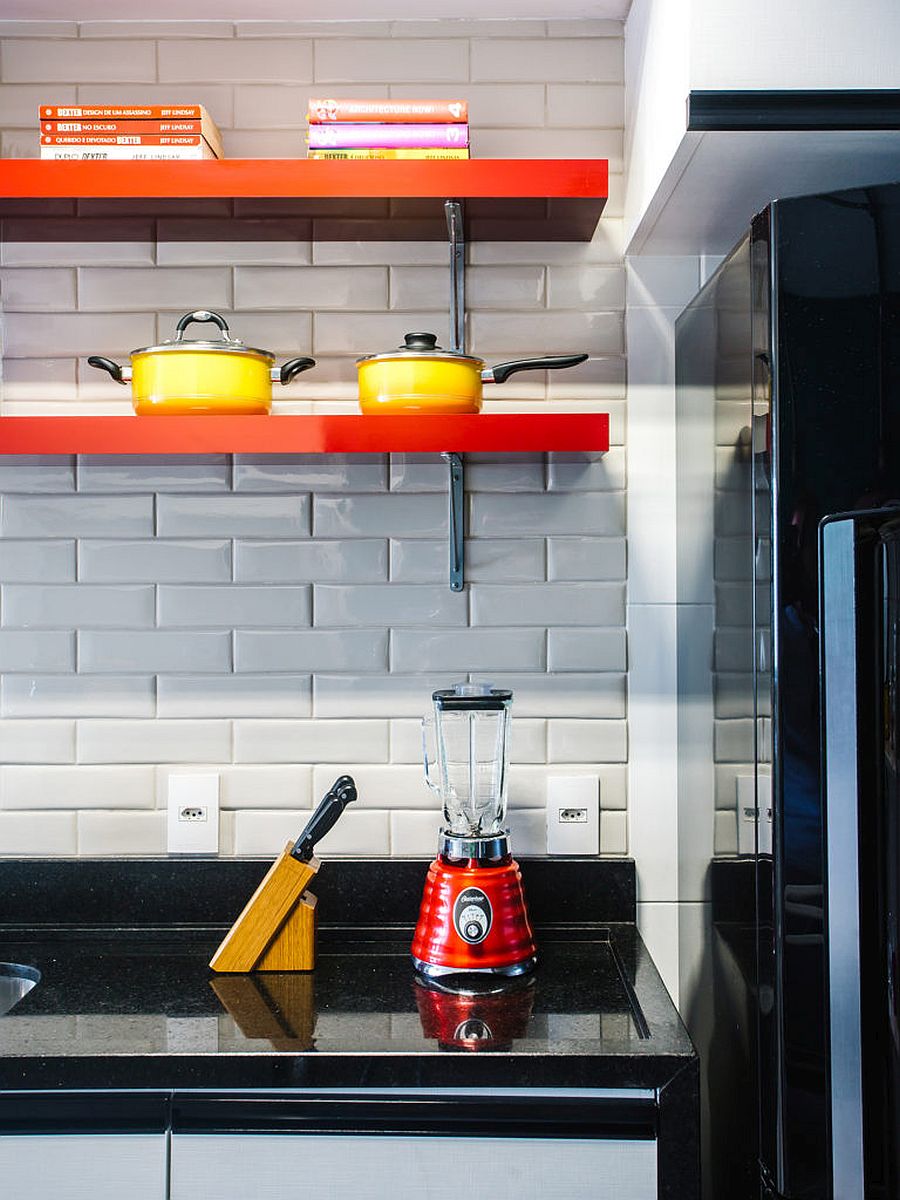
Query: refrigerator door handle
[[839, 684]]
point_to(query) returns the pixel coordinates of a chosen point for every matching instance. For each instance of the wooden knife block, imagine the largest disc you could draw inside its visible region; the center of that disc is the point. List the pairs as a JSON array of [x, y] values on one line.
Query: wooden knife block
[[277, 929]]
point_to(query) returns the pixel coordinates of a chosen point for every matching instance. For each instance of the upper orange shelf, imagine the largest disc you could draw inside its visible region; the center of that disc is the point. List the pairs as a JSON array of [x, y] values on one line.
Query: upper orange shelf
[[500, 432], [505, 199]]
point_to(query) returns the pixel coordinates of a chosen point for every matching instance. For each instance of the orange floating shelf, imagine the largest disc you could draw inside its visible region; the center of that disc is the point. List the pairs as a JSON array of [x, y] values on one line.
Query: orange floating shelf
[[504, 199], [507, 433]]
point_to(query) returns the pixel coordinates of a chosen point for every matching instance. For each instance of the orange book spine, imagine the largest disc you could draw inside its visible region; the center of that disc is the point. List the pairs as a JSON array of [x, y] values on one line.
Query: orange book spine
[[121, 139], [386, 112], [123, 112], [116, 127]]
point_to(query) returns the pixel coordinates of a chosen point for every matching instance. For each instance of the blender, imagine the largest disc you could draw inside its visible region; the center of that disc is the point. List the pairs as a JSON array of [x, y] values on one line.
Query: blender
[[473, 917]]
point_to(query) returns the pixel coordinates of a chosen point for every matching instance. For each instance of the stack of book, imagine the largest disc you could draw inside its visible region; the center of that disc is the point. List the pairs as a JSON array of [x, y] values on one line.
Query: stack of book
[[388, 129], [122, 131]]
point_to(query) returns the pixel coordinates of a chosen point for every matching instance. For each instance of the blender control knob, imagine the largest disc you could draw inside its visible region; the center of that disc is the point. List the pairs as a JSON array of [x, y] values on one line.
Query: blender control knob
[[472, 915]]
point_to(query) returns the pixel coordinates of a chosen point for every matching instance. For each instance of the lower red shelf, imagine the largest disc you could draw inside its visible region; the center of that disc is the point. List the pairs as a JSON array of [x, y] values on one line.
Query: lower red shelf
[[501, 432]]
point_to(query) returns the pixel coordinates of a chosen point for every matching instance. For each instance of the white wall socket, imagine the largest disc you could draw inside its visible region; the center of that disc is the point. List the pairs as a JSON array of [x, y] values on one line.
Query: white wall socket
[[573, 814], [192, 822]]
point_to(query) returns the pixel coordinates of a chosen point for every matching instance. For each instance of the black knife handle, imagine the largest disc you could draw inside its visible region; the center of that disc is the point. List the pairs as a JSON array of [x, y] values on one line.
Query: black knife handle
[[332, 804]]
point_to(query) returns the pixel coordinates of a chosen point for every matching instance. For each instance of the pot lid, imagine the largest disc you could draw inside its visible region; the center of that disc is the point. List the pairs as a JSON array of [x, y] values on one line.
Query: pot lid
[[423, 345], [223, 344]]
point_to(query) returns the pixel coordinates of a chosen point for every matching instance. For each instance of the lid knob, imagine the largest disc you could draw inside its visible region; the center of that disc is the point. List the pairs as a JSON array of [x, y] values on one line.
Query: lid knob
[[424, 342]]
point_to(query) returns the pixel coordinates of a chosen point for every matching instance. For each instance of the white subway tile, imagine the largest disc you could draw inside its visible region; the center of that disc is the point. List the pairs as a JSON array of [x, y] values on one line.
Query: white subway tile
[[104, 651], [733, 740], [285, 334], [19, 101], [76, 516], [71, 60], [586, 287], [156, 29], [586, 558], [342, 696], [41, 835], [343, 561], [238, 61], [374, 604], [260, 106], [406, 741], [733, 694], [733, 604], [123, 561], [153, 473], [607, 246], [311, 650], [528, 784], [44, 650], [153, 741], [419, 473], [216, 98], [551, 143], [363, 333], [37, 741], [31, 473], [565, 59], [314, 29], [37, 562], [311, 741], [388, 254], [655, 280], [26, 335], [504, 472], [587, 741], [414, 834], [467, 649], [118, 833], [85, 605], [583, 27], [586, 649], [380, 516], [599, 382], [67, 787], [725, 833], [416, 560], [460, 28], [559, 513], [257, 832], [586, 105], [37, 382], [310, 472], [37, 290], [241, 516], [504, 105], [423, 289], [586, 472], [265, 143], [78, 696], [76, 242], [527, 831], [613, 832], [30, 29], [589, 695], [361, 61], [234, 695], [548, 604], [546, 333], [106, 289], [733, 649], [265, 787], [230, 241], [390, 786], [313, 288], [238, 604]]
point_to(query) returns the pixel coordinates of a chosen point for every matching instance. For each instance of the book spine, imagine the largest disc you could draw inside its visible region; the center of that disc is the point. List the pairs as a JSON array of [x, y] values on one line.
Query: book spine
[[323, 111], [125, 153], [114, 127], [120, 112], [324, 137], [121, 139], [387, 155]]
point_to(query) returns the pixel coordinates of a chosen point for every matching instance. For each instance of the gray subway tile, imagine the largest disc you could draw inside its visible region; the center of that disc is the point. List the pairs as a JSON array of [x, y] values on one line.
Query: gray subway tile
[[39, 289], [548, 604], [574, 60], [234, 605], [237, 516], [153, 473], [593, 695], [166, 561], [124, 289], [341, 696], [317, 288], [77, 605], [242, 60], [71, 60], [488, 560], [467, 649], [380, 516], [585, 513], [310, 472], [346, 60], [586, 649], [37, 650], [338, 561], [234, 696], [587, 472], [153, 650], [311, 650], [77, 696], [26, 335], [37, 562], [76, 516], [574, 558], [31, 473], [388, 604]]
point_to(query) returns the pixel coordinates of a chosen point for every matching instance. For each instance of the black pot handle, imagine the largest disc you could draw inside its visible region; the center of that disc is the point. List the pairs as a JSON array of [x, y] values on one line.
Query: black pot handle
[[107, 364], [293, 367], [201, 315], [502, 371]]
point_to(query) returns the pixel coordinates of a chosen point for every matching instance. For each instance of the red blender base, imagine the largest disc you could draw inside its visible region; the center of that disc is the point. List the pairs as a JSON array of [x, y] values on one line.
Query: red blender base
[[473, 919]]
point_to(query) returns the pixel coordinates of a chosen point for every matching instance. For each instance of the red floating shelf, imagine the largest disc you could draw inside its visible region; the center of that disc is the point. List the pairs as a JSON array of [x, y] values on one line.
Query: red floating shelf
[[522, 199], [499, 432]]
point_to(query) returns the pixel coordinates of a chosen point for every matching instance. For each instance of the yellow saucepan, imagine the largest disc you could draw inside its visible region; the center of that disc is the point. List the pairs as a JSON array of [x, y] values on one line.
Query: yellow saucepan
[[420, 377], [217, 375]]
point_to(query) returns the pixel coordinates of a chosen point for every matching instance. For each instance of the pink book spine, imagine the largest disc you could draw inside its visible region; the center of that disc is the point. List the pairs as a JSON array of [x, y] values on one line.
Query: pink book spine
[[347, 136]]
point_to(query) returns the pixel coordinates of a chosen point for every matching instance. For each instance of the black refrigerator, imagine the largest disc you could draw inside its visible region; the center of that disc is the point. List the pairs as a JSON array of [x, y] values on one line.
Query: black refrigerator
[[788, 444]]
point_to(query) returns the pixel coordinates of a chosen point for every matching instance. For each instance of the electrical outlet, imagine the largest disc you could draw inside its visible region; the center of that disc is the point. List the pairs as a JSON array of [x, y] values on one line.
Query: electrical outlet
[[573, 814], [192, 824]]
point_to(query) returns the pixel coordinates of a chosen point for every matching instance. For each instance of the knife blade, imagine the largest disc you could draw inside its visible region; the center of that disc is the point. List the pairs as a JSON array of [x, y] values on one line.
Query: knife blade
[[341, 793]]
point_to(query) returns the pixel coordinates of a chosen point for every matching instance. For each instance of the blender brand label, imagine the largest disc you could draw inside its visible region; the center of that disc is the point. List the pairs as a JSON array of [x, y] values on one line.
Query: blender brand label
[[472, 915]]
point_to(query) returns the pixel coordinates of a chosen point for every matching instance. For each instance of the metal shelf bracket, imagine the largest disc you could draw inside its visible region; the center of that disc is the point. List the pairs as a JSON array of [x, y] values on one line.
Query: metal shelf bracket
[[457, 520], [453, 211]]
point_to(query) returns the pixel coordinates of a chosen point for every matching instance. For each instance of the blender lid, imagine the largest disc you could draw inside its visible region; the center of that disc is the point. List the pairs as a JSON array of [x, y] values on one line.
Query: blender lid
[[468, 696]]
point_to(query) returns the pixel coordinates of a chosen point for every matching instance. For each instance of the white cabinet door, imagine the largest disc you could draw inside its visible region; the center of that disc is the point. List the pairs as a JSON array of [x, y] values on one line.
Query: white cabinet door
[[84, 1166], [291, 1167]]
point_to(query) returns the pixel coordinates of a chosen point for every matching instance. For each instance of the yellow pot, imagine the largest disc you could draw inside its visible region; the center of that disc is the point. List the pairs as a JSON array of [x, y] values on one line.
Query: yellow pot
[[420, 377], [218, 375]]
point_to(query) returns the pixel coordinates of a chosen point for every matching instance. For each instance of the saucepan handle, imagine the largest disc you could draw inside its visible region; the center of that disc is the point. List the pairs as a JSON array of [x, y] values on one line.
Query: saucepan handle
[[286, 372], [201, 316], [120, 374], [550, 362]]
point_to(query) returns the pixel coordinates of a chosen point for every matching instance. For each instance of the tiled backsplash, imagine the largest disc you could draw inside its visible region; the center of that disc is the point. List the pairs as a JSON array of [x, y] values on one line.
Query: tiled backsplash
[[279, 619]]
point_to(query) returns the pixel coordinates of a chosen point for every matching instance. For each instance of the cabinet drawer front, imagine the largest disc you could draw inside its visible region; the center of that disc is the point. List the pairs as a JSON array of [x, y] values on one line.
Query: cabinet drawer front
[[267, 1166], [81, 1166]]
